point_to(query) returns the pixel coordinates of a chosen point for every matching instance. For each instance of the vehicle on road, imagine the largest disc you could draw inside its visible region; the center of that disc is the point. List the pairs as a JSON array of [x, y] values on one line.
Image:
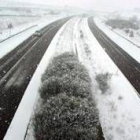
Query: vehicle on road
[[37, 34]]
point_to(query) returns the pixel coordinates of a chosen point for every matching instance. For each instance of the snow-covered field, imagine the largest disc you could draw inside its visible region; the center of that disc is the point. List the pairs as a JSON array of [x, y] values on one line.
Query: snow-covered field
[[132, 16], [22, 15], [18, 23], [135, 39], [20, 18], [17, 16], [130, 48], [126, 14], [119, 105]]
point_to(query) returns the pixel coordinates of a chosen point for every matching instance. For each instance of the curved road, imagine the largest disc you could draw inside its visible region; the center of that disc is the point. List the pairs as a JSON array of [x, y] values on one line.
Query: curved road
[[17, 69], [129, 66]]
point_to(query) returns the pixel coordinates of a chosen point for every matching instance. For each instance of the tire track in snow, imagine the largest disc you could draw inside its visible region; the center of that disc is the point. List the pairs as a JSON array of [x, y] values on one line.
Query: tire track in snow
[[66, 38], [84, 53]]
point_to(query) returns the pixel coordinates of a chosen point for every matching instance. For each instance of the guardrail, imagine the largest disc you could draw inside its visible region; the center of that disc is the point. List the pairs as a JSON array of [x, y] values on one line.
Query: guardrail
[[126, 39], [18, 33]]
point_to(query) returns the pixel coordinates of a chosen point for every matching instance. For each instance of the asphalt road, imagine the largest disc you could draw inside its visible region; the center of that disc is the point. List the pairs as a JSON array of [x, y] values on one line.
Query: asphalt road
[[129, 66], [17, 69]]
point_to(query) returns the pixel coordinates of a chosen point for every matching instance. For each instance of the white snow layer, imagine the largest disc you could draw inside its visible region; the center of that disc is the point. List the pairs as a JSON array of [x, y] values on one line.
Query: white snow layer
[[131, 49], [119, 107]]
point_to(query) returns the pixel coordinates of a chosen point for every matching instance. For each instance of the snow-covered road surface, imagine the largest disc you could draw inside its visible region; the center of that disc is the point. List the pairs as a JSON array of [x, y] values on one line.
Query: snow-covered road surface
[[119, 105]]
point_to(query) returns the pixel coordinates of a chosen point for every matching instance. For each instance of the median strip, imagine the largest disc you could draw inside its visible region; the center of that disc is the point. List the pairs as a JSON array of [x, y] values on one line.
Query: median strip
[[67, 109]]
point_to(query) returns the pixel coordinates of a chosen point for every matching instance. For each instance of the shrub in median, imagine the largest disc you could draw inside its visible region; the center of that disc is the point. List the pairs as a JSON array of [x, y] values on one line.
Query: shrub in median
[[67, 56], [72, 86], [58, 69], [103, 81], [67, 111], [64, 64], [66, 118]]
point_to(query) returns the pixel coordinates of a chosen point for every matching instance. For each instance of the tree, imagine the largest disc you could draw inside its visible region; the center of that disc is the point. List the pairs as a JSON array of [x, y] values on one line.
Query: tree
[[10, 26], [131, 34]]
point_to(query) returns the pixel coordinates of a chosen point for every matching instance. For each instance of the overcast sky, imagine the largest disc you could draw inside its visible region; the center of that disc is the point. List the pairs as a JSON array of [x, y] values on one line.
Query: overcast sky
[[101, 5]]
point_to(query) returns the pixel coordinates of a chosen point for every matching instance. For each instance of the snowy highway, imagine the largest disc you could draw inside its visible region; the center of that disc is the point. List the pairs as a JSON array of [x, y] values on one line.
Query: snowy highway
[[119, 105], [128, 65], [17, 68]]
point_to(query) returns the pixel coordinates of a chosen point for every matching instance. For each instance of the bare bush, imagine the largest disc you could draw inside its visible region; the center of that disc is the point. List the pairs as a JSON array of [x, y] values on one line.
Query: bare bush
[[127, 31], [103, 81], [131, 34]]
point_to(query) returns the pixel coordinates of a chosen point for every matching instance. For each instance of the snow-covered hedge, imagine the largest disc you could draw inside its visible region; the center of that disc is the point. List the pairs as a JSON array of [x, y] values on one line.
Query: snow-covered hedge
[[66, 118], [64, 64], [67, 56], [72, 86], [68, 110]]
